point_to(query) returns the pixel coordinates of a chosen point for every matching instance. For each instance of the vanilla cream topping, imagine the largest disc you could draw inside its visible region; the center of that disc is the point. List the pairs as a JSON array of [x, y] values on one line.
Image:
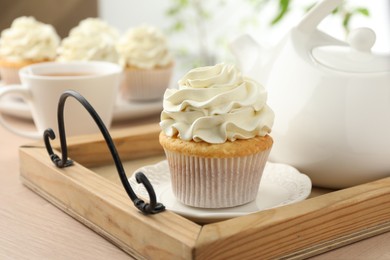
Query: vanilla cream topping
[[144, 47], [215, 104], [92, 39], [28, 39]]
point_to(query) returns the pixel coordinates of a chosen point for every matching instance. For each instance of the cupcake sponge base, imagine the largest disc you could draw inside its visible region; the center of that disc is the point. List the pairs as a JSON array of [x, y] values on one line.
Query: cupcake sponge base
[[9, 70]]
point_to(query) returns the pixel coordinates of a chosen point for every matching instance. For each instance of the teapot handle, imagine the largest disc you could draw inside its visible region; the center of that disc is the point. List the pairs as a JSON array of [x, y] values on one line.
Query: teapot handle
[[310, 22]]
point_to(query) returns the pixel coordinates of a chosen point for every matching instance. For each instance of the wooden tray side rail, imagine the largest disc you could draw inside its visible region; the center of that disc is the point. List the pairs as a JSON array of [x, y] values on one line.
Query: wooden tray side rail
[[297, 231], [104, 206], [133, 143], [304, 229]]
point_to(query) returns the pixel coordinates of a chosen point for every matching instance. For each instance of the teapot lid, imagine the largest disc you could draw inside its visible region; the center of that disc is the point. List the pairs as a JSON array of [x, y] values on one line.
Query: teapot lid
[[354, 58]]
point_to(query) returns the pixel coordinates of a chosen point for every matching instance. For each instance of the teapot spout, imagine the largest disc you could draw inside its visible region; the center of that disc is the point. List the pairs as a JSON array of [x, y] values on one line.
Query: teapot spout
[[246, 51]]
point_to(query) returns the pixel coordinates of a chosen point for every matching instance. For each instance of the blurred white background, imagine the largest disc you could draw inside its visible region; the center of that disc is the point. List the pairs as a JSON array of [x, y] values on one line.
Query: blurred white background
[[224, 22], [124, 14]]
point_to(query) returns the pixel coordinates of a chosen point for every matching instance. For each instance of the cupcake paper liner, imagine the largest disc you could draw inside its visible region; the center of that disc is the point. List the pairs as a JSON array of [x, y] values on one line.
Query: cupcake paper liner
[[216, 182], [144, 85]]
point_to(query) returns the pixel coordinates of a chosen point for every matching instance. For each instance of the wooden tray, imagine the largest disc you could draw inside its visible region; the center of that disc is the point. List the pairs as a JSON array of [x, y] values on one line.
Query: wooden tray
[[90, 192]]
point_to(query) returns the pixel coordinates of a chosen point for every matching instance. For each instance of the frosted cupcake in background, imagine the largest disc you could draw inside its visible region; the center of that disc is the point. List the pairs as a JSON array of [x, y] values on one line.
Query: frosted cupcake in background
[[215, 135], [93, 39], [147, 61], [27, 41]]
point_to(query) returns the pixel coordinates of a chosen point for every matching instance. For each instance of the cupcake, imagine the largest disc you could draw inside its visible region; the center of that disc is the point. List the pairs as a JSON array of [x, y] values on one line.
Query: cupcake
[[215, 133], [93, 39], [27, 41], [147, 62]]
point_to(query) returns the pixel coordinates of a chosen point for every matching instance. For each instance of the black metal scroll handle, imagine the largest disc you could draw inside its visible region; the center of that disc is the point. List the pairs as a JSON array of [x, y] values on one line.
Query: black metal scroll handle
[[148, 208]]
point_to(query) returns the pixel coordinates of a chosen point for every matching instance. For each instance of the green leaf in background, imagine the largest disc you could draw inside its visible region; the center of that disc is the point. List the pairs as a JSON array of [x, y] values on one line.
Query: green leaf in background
[[204, 14], [185, 15], [363, 11], [335, 11], [183, 2], [173, 10], [177, 7], [283, 9], [178, 26], [346, 20]]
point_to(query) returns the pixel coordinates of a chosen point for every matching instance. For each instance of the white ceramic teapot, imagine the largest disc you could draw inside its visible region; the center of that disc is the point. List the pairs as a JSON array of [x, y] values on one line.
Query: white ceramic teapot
[[331, 100]]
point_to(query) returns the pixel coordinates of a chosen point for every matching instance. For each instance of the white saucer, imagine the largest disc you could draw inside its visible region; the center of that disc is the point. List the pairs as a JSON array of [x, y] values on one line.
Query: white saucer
[[124, 110], [280, 185]]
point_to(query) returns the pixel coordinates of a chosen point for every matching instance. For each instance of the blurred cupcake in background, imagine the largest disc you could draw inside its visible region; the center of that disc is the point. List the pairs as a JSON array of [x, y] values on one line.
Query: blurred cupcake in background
[[92, 39], [148, 63], [27, 41]]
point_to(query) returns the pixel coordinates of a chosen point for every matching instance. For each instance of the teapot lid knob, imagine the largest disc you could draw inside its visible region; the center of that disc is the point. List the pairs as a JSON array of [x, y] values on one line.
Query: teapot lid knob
[[362, 39], [357, 57]]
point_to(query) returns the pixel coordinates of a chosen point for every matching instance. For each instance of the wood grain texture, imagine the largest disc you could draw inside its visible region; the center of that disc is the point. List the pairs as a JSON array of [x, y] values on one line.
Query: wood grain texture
[[98, 203], [307, 228], [131, 143], [32, 228], [300, 230]]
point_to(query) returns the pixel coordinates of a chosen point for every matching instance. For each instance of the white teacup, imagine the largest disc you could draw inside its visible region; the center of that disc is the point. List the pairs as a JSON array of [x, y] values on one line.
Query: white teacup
[[43, 84]]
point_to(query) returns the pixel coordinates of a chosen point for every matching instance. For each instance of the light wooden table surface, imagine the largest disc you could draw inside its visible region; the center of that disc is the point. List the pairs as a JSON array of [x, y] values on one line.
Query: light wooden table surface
[[32, 228]]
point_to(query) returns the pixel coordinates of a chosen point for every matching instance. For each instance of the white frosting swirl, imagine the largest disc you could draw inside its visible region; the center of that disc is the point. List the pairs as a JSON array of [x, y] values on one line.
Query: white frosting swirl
[[144, 47], [215, 104], [28, 39], [92, 39]]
